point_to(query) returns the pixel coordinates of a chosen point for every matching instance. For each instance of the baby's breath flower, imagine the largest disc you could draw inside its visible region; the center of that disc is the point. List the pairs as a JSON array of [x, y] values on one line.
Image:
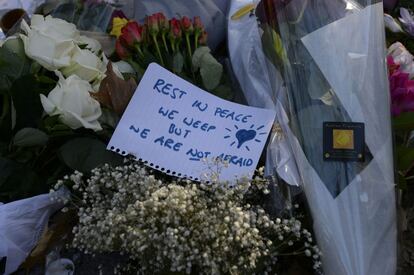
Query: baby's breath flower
[[182, 227]]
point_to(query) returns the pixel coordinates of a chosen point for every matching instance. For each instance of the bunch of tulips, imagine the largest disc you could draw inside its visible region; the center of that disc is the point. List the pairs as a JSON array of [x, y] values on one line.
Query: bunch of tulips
[[160, 40]]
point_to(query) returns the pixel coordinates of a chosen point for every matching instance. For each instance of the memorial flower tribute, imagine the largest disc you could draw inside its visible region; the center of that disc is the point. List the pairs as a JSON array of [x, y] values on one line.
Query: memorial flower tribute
[[62, 99], [118, 129]]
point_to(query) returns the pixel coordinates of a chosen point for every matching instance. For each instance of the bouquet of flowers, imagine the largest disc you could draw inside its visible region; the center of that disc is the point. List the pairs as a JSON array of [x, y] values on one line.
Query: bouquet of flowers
[[182, 227], [76, 95], [49, 118], [177, 44], [62, 99]]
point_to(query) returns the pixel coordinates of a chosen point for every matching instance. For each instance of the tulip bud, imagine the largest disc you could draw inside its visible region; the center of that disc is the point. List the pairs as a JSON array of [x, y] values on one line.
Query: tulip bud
[[175, 29], [121, 51], [198, 26], [187, 25], [203, 38], [162, 22], [152, 23], [132, 34]]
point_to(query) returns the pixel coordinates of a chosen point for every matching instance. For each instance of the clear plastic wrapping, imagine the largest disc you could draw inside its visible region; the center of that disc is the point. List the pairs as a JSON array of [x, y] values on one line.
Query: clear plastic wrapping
[[330, 55]]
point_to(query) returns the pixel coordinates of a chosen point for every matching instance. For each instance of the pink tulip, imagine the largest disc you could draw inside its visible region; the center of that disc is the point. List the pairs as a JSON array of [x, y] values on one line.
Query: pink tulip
[[152, 23]]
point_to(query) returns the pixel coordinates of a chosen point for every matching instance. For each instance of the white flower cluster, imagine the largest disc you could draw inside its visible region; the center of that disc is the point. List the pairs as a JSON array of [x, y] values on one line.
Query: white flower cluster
[[79, 63], [182, 227]]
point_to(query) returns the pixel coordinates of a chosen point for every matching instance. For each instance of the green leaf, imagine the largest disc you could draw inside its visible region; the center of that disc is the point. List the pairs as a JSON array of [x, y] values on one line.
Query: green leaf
[[211, 70], [26, 100], [178, 63], [405, 158], [16, 46], [12, 67], [198, 56], [405, 121], [224, 91], [85, 154], [55, 128], [27, 137], [6, 123], [18, 181]]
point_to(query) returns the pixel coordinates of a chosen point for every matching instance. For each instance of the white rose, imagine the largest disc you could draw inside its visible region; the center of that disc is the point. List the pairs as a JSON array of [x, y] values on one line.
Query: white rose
[[49, 41], [402, 57], [91, 44], [86, 65], [71, 100]]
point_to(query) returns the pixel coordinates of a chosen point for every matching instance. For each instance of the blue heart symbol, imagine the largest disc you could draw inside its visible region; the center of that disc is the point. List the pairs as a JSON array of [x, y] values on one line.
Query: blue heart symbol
[[244, 135]]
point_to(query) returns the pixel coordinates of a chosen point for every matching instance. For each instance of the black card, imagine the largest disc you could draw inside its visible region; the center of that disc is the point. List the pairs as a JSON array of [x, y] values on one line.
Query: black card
[[344, 141]]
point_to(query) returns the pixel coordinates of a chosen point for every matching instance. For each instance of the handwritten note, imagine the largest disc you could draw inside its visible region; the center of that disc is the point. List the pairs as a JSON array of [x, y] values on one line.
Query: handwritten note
[[177, 128]]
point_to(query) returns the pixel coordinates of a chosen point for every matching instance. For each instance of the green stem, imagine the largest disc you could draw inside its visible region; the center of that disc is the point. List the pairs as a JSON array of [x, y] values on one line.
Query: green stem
[[158, 50], [172, 43], [187, 39], [165, 43], [141, 54], [6, 107], [196, 41]]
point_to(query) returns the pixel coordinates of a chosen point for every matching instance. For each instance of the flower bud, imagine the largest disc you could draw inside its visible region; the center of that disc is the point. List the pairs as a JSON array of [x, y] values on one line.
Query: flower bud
[[187, 25], [162, 22], [132, 34], [198, 25], [152, 23], [175, 29]]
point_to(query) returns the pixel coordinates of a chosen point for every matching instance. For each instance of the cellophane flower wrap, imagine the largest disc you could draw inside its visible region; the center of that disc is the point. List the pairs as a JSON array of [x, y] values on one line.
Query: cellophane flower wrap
[[328, 59]]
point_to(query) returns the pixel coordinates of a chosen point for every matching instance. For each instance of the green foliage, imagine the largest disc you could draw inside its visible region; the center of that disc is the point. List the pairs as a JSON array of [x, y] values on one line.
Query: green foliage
[[178, 63], [211, 70], [28, 137], [25, 92], [12, 67], [408, 4], [403, 125], [18, 181], [85, 154], [405, 121]]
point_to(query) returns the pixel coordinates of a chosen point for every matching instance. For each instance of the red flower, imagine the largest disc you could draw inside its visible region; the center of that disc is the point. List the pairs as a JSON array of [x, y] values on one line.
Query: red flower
[[162, 22], [152, 23], [175, 29], [198, 26], [121, 51], [132, 34], [187, 25]]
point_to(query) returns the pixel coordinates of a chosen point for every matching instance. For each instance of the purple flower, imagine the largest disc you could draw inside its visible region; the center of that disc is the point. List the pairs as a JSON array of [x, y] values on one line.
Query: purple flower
[[119, 14], [407, 20], [401, 88]]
